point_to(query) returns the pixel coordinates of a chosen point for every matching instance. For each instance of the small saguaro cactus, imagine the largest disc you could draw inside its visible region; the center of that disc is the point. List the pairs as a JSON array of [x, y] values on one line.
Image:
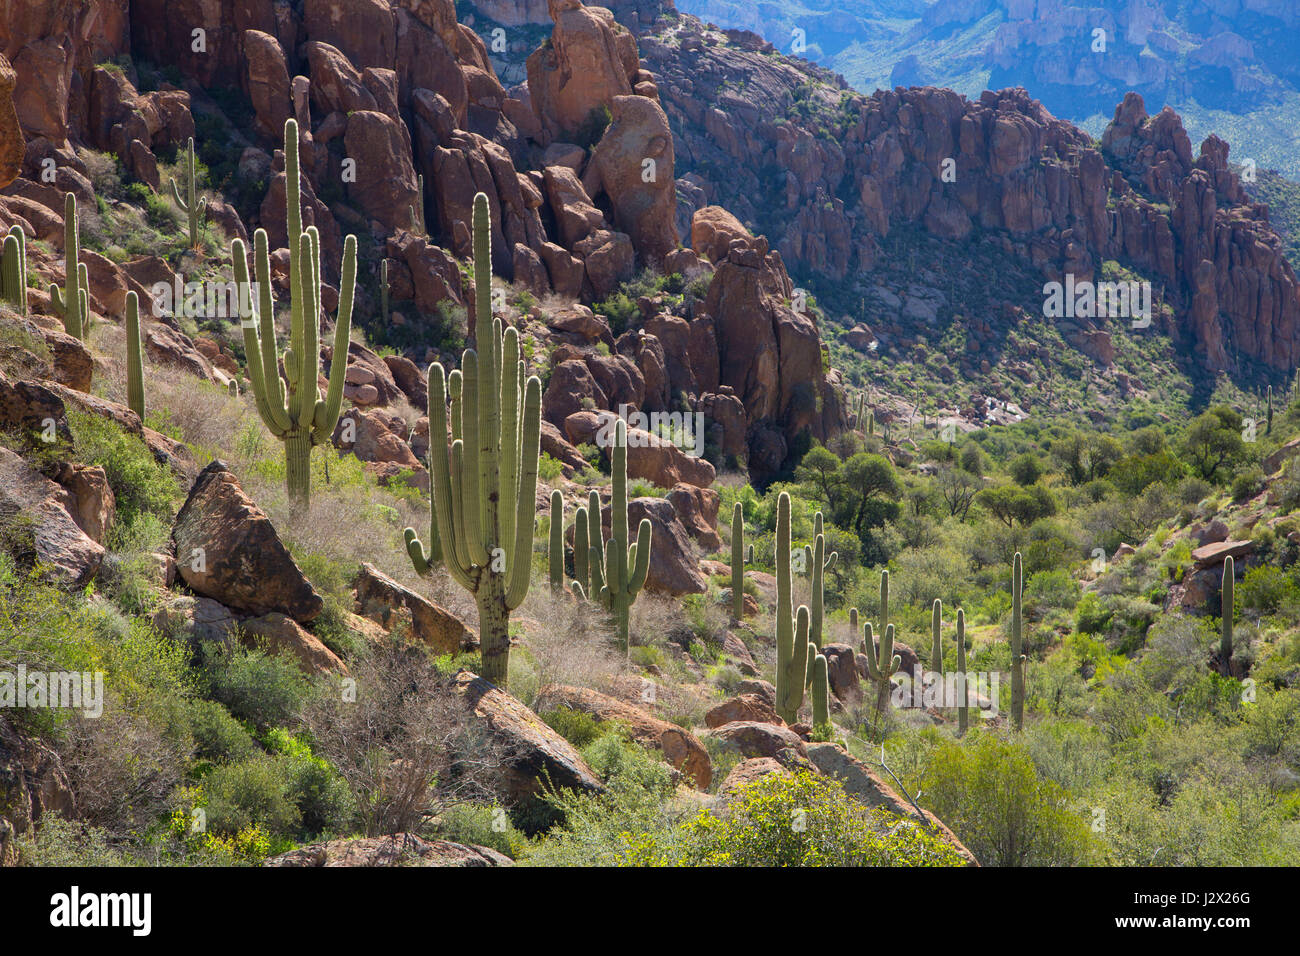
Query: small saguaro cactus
[[1227, 606], [821, 712], [1269, 429], [484, 487], [737, 562], [963, 692], [70, 301], [622, 568], [417, 209], [1018, 658], [294, 410], [13, 269], [853, 622], [134, 357], [195, 208], [555, 550], [383, 291], [882, 663], [792, 642], [936, 637]]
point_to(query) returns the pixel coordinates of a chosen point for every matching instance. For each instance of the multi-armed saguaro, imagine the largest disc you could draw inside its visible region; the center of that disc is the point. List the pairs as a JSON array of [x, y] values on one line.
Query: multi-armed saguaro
[[194, 208], [13, 269], [134, 357], [294, 410], [792, 644], [70, 301], [882, 662], [484, 486]]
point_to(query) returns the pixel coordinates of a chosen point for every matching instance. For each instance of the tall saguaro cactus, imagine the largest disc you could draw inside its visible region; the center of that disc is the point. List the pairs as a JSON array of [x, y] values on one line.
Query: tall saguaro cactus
[[484, 488], [134, 357], [821, 711], [936, 637], [819, 563], [791, 629], [293, 408], [70, 301], [1227, 605], [621, 569], [13, 269], [1017, 646], [963, 692], [882, 662], [737, 562], [195, 208], [555, 548]]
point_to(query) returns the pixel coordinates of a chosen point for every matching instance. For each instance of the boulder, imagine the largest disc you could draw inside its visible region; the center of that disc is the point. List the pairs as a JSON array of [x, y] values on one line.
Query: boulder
[[36, 515], [384, 601], [93, 505], [748, 772], [634, 163], [655, 459], [282, 635], [697, 510], [680, 747], [743, 708], [534, 754], [228, 550], [1212, 555], [397, 849], [12, 145], [195, 620], [33, 782], [842, 670], [759, 739]]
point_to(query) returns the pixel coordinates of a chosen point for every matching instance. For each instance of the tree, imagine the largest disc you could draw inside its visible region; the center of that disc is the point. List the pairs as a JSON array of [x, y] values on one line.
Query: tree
[[821, 469], [864, 479], [1213, 440], [958, 488], [1025, 469], [1012, 503]]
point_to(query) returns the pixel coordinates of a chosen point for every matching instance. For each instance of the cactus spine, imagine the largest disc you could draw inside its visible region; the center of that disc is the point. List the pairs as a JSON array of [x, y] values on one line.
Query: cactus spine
[[70, 301], [134, 357], [13, 271], [963, 708], [1227, 605], [1017, 647], [417, 210], [622, 569], [737, 562], [195, 208], [294, 410], [555, 551], [484, 488], [791, 629]]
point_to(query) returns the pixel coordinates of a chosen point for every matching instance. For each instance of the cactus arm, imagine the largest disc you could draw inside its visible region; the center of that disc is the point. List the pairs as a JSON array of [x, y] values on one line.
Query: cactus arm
[[1227, 603], [176, 194], [639, 557], [443, 502], [327, 416], [963, 709], [596, 546], [820, 690], [471, 520], [419, 557], [526, 505]]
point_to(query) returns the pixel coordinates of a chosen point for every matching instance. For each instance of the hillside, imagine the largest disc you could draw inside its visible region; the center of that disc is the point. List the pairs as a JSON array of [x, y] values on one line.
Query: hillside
[[609, 449]]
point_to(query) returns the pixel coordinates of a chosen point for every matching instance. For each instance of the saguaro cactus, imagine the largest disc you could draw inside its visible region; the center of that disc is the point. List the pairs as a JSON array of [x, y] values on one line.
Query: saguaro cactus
[[134, 357], [963, 692], [882, 663], [70, 301], [555, 549], [195, 208], [821, 711], [1227, 605], [1017, 647], [294, 410], [484, 488], [621, 569], [791, 629], [13, 269], [936, 637], [819, 563], [737, 562], [1269, 429], [383, 291]]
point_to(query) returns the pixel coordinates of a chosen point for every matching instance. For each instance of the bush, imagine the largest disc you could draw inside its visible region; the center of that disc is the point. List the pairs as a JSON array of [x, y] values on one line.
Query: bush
[[217, 735], [803, 820], [481, 824], [253, 792], [140, 485], [576, 727], [990, 794], [255, 686]]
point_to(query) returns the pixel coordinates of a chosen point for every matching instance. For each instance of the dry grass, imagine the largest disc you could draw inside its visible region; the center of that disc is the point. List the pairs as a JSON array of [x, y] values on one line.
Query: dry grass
[[569, 641]]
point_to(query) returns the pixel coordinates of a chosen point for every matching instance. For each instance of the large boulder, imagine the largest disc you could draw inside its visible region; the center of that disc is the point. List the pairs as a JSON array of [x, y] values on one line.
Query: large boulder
[[283, 635], [655, 459], [680, 747], [385, 188], [32, 783], [757, 739], [534, 754], [752, 708], [36, 514], [12, 145], [387, 602], [673, 566], [748, 772], [228, 550], [634, 163], [397, 849]]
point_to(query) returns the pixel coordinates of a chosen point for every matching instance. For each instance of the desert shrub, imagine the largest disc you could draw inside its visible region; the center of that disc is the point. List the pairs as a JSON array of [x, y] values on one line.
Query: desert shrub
[[314, 786], [218, 736], [257, 687], [253, 792], [67, 843], [576, 727], [402, 747], [803, 820], [140, 485], [989, 792], [481, 824]]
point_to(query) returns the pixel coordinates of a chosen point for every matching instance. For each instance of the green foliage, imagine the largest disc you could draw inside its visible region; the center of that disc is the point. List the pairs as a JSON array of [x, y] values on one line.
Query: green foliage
[[578, 728], [264, 690]]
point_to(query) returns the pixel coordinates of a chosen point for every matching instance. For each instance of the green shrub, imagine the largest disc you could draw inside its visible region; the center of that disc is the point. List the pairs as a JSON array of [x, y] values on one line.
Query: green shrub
[[140, 485], [481, 824], [255, 686], [576, 727], [253, 792], [217, 735]]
